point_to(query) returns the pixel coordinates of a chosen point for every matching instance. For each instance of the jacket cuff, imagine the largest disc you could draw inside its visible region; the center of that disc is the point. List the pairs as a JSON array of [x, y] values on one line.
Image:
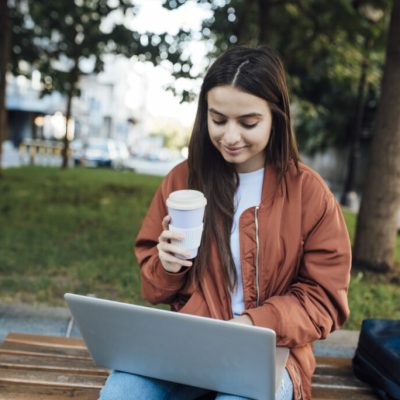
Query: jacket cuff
[[265, 316], [172, 281]]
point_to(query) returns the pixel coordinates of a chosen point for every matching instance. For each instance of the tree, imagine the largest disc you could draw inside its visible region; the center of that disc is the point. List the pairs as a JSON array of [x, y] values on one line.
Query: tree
[[321, 45], [371, 15], [375, 240], [68, 36], [334, 57]]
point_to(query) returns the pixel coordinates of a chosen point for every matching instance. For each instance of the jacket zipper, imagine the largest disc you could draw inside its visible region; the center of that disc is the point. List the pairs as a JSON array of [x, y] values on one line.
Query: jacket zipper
[[296, 380], [257, 257], [300, 396]]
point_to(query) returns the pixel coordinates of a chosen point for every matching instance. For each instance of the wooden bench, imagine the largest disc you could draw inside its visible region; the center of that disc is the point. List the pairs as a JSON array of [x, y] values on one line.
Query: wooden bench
[[56, 368]]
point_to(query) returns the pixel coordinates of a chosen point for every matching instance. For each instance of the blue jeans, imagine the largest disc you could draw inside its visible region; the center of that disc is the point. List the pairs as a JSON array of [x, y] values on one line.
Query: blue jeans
[[124, 386]]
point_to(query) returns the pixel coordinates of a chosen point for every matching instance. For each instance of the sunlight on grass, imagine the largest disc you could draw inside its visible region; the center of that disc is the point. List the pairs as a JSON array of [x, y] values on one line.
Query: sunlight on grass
[[74, 231], [70, 231]]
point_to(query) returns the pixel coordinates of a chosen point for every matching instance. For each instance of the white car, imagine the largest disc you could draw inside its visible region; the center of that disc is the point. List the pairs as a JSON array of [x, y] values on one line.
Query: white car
[[102, 152]]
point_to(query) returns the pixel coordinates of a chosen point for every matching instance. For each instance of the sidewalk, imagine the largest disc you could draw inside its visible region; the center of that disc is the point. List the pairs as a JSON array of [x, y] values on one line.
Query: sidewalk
[[25, 318], [57, 321]]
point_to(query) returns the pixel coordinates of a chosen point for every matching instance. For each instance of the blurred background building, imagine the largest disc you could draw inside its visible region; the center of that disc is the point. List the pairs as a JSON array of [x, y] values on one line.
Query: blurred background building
[[111, 104], [28, 111]]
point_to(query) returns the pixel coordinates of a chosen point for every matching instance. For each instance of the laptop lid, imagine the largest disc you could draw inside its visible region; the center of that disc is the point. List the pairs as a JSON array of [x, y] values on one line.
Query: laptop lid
[[197, 351]]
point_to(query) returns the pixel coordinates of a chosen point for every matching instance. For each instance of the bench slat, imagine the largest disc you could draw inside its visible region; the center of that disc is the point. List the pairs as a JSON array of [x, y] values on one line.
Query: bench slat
[[56, 341], [32, 392], [336, 393], [47, 362], [333, 362], [339, 381], [52, 378], [328, 370], [9, 346]]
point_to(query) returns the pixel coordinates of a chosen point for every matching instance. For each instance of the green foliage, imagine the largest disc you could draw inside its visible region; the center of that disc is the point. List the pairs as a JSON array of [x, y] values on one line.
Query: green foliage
[[175, 135], [63, 34], [73, 230], [323, 45], [66, 39]]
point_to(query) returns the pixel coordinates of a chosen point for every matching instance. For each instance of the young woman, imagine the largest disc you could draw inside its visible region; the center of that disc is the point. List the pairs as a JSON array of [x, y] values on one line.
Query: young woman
[[275, 251]]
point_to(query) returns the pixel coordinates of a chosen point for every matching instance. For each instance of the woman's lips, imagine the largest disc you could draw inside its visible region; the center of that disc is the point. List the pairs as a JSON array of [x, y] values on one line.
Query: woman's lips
[[232, 150]]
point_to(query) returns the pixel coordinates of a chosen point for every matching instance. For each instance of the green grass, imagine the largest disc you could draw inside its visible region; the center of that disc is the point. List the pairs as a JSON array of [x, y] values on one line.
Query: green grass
[[70, 231], [74, 231], [369, 295]]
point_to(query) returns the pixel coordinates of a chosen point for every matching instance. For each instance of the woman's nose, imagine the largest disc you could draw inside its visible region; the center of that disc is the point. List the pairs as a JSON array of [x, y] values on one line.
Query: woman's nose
[[232, 134]]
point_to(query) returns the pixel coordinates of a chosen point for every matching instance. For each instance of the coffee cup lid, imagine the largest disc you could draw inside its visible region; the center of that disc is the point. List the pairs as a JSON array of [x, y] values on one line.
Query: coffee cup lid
[[186, 200]]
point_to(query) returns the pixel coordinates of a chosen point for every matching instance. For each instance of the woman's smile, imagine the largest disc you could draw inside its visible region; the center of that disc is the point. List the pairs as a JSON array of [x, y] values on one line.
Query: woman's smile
[[233, 150]]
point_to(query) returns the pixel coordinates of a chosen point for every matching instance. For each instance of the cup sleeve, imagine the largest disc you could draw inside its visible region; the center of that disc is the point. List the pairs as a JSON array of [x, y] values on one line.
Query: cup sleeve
[[192, 236]]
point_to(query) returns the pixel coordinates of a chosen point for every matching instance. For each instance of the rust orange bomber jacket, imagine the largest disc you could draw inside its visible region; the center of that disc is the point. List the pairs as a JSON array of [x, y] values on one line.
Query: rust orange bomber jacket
[[303, 260]]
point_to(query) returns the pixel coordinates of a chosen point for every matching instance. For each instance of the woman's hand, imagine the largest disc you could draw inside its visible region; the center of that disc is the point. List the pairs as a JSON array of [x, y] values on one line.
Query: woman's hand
[[167, 251]]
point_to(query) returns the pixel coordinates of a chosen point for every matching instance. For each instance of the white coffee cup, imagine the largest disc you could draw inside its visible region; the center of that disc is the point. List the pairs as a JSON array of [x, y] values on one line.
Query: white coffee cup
[[186, 209]]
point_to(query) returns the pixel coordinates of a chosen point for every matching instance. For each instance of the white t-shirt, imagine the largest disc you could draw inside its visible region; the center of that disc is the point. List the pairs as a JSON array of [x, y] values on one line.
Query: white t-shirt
[[248, 195]]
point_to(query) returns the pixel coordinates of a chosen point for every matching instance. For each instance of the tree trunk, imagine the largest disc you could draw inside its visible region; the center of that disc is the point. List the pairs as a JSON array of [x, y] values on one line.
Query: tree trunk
[[354, 152], [74, 75], [5, 38], [375, 241], [241, 28], [264, 8], [65, 150]]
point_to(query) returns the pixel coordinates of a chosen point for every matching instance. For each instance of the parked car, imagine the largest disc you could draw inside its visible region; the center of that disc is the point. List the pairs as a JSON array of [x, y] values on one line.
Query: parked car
[[161, 154], [101, 152]]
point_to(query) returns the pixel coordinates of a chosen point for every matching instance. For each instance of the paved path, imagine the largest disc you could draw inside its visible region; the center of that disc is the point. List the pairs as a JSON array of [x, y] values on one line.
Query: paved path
[[25, 318], [57, 321]]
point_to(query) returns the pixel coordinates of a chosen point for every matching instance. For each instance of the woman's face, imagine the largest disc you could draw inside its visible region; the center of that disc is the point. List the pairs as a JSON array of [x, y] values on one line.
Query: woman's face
[[239, 125]]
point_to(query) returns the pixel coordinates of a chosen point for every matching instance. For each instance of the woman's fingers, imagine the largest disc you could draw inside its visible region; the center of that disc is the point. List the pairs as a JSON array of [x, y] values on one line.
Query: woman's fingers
[[165, 222], [172, 263], [169, 235], [168, 252], [172, 249]]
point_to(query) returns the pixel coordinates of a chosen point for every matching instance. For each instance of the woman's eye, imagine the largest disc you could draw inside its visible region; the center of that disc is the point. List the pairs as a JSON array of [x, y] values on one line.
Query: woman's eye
[[244, 125], [248, 126]]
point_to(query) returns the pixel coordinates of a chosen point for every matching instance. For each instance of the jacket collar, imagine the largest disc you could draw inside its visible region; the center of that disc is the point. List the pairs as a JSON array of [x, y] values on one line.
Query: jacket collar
[[270, 186]]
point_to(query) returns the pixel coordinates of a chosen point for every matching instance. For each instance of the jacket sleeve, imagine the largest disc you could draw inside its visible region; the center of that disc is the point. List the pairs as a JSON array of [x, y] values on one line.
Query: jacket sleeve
[[316, 302], [157, 284]]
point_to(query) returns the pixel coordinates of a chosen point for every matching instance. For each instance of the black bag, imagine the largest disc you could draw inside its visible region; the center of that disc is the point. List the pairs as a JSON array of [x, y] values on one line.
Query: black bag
[[377, 357]]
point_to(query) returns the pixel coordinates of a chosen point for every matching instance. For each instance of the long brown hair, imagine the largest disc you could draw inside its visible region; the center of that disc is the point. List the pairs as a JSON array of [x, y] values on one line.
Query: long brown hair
[[260, 72]]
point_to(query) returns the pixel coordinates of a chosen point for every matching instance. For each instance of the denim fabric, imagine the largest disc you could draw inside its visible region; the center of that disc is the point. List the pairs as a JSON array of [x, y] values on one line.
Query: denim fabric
[[123, 386]]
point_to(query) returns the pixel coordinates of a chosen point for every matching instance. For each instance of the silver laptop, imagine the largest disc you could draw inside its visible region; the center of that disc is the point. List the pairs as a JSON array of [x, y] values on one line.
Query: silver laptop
[[217, 355]]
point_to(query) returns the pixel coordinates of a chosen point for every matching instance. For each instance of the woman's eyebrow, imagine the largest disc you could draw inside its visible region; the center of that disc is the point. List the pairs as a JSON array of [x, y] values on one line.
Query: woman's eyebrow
[[253, 114], [212, 110]]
